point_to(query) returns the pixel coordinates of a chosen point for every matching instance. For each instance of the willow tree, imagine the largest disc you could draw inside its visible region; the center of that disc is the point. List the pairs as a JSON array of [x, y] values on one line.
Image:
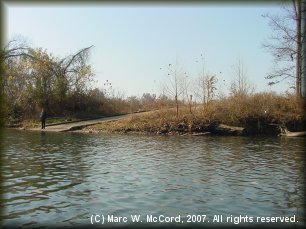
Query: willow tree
[[13, 75], [34, 77], [72, 73]]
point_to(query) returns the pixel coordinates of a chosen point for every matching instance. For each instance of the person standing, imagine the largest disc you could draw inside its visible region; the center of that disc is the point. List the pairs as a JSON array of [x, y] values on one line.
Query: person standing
[[43, 117]]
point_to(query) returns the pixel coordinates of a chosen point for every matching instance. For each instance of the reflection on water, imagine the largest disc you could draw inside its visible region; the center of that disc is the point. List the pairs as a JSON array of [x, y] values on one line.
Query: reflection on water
[[64, 178]]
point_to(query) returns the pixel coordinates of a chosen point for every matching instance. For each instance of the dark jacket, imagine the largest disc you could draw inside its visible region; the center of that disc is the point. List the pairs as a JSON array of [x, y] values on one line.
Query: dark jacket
[[43, 115]]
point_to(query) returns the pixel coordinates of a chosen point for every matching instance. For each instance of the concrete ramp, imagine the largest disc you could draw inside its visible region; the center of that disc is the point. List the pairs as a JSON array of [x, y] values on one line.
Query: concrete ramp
[[77, 125]]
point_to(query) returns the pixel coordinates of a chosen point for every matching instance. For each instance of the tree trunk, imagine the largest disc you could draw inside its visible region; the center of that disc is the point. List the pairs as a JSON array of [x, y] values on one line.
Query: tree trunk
[[177, 107], [298, 47], [303, 49]]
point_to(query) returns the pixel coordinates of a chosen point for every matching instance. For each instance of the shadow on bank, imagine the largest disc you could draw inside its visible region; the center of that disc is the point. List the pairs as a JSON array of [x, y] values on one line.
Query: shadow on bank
[[251, 127]]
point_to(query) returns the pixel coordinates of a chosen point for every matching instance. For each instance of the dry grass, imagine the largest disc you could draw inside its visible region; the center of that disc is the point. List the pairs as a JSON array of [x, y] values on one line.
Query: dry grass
[[237, 111]]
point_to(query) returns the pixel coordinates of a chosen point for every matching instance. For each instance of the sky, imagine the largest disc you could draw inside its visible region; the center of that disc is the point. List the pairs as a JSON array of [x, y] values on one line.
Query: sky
[[134, 43]]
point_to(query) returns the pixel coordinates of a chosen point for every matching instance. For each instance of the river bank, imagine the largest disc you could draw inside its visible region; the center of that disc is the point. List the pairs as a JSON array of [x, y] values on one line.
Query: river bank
[[164, 122], [237, 115]]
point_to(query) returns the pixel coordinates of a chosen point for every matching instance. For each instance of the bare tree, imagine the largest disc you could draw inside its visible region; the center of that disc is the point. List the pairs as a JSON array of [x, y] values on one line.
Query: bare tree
[[285, 45], [187, 87], [134, 103], [175, 83], [206, 84], [148, 101], [15, 48], [240, 85]]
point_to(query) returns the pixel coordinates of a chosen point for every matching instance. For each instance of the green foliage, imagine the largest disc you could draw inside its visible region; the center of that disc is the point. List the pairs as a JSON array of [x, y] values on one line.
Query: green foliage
[[33, 78]]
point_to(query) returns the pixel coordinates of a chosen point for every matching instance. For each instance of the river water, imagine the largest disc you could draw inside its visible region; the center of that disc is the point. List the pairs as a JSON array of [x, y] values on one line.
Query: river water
[[69, 179]]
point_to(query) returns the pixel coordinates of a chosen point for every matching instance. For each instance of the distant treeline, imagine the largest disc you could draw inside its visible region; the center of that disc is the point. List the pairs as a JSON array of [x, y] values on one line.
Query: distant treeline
[[32, 78]]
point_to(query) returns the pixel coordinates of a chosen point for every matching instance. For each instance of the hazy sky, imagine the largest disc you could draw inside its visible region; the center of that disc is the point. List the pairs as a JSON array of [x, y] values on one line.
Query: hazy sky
[[133, 41]]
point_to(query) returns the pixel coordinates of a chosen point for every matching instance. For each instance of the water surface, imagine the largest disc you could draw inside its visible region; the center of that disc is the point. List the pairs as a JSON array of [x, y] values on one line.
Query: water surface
[[64, 178]]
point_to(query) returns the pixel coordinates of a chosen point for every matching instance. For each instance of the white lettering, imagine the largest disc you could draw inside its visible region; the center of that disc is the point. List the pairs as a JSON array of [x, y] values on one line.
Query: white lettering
[[97, 220], [116, 219], [151, 219], [135, 218]]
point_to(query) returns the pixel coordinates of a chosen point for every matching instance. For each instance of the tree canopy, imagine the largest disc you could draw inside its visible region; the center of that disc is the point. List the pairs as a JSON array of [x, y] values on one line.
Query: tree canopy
[[34, 78]]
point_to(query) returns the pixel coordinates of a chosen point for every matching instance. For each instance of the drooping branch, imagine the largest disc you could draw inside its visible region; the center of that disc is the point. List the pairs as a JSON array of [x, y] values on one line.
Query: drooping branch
[[79, 54]]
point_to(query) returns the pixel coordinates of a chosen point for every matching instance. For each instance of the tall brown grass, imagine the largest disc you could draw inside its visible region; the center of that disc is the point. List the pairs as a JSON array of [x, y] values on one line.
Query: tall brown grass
[[239, 110]]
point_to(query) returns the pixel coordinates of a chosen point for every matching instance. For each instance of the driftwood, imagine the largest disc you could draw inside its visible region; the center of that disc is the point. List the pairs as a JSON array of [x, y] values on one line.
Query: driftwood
[[295, 134], [287, 133], [229, 130], [201, 134]]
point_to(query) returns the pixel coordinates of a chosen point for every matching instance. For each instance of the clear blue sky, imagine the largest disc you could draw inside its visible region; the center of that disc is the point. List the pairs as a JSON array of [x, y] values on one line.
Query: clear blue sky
[[133, 41]]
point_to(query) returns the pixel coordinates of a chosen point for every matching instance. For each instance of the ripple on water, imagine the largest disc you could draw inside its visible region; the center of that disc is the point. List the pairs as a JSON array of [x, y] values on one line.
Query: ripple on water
[[64, 178]]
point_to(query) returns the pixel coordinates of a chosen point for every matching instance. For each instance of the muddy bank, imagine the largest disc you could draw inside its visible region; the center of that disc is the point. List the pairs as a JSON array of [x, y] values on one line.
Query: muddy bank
[[183, 128]]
